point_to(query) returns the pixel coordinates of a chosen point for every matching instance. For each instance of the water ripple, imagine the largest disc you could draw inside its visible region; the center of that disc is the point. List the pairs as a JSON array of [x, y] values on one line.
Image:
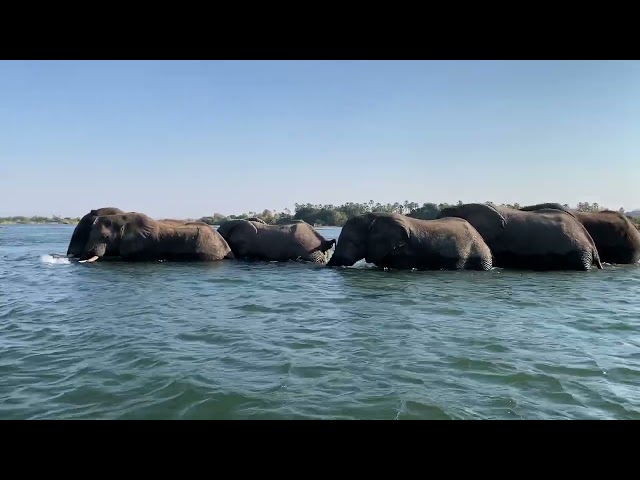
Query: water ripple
[[260, 340]]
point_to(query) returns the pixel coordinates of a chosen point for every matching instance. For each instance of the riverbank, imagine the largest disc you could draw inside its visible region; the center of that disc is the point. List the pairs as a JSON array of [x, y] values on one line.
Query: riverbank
[[38, 220], [38, 223]]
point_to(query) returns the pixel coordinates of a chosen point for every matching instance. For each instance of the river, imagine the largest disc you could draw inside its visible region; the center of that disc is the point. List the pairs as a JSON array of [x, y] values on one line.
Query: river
[[240, 340]]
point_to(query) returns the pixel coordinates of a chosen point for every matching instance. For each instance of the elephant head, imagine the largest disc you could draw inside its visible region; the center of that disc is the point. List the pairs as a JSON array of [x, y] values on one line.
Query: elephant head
[[83, 229], [371, 236], [109, 231], [486, 219]]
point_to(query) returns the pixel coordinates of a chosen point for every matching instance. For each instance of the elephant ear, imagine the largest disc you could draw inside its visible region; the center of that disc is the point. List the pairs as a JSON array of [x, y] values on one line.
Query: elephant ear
[[488, 221], [136, 233], [243, 227], [80, 235], [386, 234]]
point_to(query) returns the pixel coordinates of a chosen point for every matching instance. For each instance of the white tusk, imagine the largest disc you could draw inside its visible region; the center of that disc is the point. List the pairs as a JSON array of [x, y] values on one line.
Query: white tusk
[[92, 259]]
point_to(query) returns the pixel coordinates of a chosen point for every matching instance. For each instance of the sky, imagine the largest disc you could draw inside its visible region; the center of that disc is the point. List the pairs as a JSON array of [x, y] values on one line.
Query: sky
[[185, 139]]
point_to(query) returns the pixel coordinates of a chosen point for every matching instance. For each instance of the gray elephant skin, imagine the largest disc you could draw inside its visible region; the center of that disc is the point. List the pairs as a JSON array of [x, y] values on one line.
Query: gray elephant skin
[[396, 241], [136, 237], [255, 240], [617, 239], [81, 233], [544, 239], [83, 229]]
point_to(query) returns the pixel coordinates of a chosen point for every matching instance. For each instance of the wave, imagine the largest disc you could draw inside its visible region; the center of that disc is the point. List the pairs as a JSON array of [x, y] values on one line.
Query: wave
[[54, 260]]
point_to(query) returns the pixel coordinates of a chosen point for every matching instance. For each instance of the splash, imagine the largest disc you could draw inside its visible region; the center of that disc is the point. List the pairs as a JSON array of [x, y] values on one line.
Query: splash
[[54, 260]]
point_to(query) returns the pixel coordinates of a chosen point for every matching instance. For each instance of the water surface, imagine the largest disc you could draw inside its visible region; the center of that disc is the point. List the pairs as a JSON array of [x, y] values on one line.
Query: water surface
[[233, 340]]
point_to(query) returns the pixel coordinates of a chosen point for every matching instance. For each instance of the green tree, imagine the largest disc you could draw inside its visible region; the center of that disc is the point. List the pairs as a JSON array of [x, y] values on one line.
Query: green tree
[[428, 211]]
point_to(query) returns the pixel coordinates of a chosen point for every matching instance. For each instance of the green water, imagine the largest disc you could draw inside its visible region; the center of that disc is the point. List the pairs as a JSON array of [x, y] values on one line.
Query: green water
[[236, 340]]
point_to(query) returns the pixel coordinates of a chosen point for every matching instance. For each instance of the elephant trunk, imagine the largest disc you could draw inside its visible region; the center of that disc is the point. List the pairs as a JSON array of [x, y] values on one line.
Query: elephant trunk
[[94, 253], [326, 245]]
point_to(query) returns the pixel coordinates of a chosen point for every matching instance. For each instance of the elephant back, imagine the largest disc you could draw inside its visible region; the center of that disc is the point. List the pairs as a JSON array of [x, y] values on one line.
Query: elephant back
[[486, 219], [241, 228], [550, 207]]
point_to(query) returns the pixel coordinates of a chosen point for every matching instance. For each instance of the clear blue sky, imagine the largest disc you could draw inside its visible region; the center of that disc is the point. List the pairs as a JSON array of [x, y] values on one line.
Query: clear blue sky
[[187, 139]]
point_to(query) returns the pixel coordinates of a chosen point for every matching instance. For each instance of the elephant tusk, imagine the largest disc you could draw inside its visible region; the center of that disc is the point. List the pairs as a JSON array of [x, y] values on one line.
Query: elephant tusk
[[92, 259]]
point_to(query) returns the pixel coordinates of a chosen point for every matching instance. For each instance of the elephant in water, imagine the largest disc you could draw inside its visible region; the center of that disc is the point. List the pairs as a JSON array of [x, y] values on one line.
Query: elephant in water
[[545, 239], [136, 236], [617, 239], [257, 240], [83, 229], [396, 241]]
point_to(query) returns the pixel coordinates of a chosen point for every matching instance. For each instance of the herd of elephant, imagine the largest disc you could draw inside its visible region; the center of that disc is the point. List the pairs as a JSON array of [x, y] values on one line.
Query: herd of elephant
[[470, 236]]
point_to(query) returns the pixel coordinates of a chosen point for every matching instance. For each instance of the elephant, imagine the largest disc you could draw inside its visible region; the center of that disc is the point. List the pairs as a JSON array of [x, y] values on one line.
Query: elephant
[[81, 232], [136, 236], [617, 239], [543, 240], [396, 241], [259, 241], [83, 229]]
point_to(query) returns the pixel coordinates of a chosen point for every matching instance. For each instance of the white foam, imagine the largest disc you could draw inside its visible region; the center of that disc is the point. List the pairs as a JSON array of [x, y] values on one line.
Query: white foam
[[54, 260]]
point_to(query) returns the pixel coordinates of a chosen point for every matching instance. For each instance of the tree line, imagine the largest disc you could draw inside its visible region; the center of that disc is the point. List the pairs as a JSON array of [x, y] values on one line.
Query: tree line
[[39, 219], [332, 215], [326, 215]]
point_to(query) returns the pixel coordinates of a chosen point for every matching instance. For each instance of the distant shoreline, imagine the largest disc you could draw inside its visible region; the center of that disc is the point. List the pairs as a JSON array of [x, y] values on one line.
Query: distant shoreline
[[38, 223], [73, 222], [319, 216]]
